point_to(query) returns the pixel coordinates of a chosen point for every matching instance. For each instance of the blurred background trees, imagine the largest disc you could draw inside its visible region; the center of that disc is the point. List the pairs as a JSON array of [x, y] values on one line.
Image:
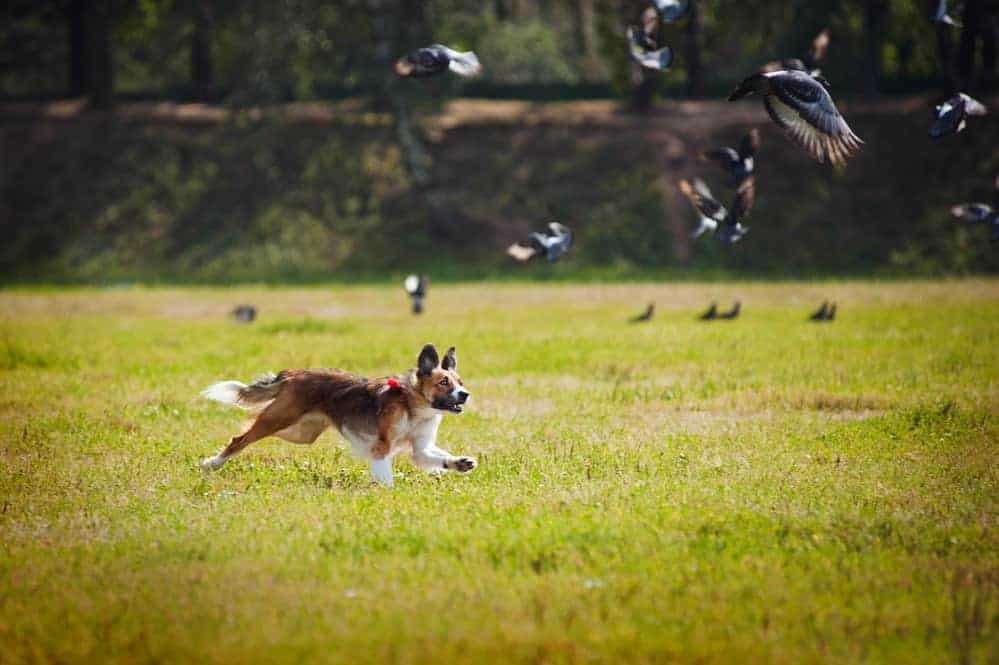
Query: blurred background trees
[[257, 51]]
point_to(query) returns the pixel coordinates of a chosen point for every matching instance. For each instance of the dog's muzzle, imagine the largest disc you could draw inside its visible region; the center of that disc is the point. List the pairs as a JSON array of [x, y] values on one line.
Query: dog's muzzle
[[452, 402]]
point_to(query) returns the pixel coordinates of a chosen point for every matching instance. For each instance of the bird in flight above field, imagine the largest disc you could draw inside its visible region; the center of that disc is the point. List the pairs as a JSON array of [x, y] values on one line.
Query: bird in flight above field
[[951, 116], [671, 10], [800, 104], [649, 312], [939, 14], [644, 51], [551, 244], [727, 224], [809, 62], [437, 59], [732, 313], [978, 213], [710, 313], [740, 163], [416, 287], [244, 313]]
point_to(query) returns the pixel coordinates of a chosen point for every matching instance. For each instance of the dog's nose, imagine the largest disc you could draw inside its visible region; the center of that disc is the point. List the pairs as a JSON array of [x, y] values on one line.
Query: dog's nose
[[463, 396]]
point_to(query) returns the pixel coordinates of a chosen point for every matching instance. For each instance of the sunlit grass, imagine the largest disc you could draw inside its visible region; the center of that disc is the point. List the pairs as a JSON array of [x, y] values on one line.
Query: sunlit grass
[[759, 490]]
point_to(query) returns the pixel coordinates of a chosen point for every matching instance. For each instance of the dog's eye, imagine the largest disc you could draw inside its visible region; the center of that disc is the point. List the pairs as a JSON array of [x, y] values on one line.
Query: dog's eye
[[444, 381]]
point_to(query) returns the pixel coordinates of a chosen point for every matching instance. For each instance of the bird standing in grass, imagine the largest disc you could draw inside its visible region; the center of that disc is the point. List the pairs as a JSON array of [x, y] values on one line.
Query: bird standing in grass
[[416, 287], [710, 313], [437, 59], [800, 104], [951, 116], [244, 313], [732, 313], [649, 312], [821, 313]]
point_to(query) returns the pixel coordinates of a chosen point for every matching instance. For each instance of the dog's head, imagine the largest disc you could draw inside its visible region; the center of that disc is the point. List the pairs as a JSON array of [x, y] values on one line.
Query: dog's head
[[438, 380]]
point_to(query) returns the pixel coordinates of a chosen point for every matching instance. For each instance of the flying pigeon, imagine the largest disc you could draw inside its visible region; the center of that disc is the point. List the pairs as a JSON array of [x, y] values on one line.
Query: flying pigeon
[[978, 213], [710, 313], [951, 116], [809, 62], [416, 287], [437, 59], [714, 216], [551, 244], [939, 14], [671, 10], [738, 163], [244, 313], [643, 50], [649, 312], [821, 313], [800, 105], [732, 313]]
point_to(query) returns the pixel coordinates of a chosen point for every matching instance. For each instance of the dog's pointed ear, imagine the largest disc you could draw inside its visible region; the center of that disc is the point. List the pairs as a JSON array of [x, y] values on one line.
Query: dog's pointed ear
[[450, 361], [428, 360]]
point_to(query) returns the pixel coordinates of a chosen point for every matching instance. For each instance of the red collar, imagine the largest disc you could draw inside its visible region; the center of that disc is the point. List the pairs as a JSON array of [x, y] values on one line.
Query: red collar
[[393, 383]]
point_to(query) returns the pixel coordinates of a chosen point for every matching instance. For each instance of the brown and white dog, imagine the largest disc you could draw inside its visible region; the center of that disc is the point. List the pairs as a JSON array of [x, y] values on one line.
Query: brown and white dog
[[379, 417]]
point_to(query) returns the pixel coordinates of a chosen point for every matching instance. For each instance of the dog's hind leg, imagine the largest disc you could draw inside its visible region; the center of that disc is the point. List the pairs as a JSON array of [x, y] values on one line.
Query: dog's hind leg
[[271, 420]]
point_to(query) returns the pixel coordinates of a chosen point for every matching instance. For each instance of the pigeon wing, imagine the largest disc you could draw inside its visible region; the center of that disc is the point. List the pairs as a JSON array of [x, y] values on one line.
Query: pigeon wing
[[803, 107], [972, 106], [972, 213], [704, 203], [464, 64], [671, 10], [817, 52], [750, 144], [743, 202], [521, 253]]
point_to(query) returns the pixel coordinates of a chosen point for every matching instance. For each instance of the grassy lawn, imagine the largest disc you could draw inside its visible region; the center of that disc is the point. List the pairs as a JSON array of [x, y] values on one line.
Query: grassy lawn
[[759, 490]]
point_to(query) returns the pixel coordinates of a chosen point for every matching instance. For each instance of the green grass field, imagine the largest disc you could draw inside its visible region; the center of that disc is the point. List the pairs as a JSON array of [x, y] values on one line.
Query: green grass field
[[761, 490]]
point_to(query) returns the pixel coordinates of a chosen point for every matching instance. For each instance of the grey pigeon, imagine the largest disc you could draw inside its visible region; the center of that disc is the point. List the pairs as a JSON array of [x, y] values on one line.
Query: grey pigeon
[[732, 313], [649, 312], [437, 59], [800, 105], [710, 313], [671, 10], [951, 116], [244, 313], [978, 213], [643, 51], [552, 244], [416, 287], [739, 164], [939, 14], [727, 224]]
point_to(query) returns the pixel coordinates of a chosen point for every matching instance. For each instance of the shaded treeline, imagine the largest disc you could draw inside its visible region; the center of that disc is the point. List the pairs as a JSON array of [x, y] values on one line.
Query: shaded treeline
[[287, 197], [248, 51]]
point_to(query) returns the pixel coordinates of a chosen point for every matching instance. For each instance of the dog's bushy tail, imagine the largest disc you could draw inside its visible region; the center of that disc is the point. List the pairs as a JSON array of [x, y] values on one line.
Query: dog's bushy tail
[[254, 396]]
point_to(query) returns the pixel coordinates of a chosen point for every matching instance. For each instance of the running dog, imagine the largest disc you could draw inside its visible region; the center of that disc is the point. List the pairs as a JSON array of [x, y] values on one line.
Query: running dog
[[379, 417]]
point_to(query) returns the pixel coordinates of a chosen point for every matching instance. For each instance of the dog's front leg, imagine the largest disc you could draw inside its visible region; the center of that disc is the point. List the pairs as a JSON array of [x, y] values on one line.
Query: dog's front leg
[[429, 457]]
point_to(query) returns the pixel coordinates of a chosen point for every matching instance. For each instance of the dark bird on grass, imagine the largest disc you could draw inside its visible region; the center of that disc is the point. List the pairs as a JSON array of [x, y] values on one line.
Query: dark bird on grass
[[671, 10], [978, 213], [732, 313], [808, 62], [939, 13], [800, 105], [821, 313], [551, 244], [649, 312], [951, 116], [244, 313], [416, 287], [739, 164], [710, 313], [645, 51], [726, 224], [437, 59]]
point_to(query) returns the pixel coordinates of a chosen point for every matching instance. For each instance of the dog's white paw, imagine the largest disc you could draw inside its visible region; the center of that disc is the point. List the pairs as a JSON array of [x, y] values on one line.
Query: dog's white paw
[[213, 463], [381, 470], [463, 464]]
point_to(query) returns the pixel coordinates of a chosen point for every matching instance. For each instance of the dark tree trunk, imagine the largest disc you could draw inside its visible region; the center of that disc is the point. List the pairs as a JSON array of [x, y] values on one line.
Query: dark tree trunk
[[875, 12], [643, 96], [979, 21], [582, 25], [694, 48], [202, 69], [76, 13], [100, 60], [945, 51]]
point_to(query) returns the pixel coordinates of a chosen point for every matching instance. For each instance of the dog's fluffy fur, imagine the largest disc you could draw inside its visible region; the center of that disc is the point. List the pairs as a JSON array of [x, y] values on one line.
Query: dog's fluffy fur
[[379, 417]]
